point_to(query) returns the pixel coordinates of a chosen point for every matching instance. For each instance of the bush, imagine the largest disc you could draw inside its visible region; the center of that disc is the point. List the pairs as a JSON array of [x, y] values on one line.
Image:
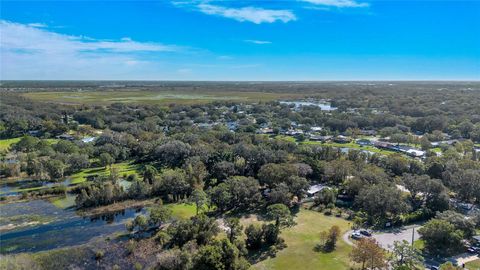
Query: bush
[[99, 254], [130, 246]]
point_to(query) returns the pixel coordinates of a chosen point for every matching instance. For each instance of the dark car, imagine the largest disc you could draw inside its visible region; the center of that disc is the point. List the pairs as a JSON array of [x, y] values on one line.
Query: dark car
[[366, 232]]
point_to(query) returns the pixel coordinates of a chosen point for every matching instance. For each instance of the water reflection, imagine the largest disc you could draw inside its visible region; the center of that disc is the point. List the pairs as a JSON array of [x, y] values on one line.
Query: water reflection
[[66, 229]]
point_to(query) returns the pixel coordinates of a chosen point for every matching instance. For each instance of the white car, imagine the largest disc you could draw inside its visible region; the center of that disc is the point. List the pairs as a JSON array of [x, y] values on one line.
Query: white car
[[357, 235]]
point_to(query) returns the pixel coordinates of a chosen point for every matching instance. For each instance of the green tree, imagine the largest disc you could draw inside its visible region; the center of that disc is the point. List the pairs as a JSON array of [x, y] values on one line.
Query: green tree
[[281, 214], [404, 254], [199, 198], [149, 174], [106, 159], [235, 228], [441, 237], [254, 235]]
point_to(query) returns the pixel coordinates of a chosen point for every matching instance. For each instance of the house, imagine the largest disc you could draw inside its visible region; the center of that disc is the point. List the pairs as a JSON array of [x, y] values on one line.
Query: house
[[35, 133], [88, 139], [363, 142], [415, 153], [265, 131], [384, 145], [316, 129], [368, 132], [320, 138], [312, 190], [342, 139], [232, 125], [66, 136], [294, 132]]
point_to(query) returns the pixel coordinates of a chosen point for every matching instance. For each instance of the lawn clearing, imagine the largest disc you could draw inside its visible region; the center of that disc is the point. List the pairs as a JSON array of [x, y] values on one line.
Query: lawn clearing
[[182, 210], [285, 138], [124, 168], [474, 265], [351, 145], [6, 143], [301, 240], [155, 97]]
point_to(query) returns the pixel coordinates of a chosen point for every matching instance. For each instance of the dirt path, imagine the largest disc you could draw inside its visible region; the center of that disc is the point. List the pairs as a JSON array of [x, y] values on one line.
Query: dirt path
[[346, 238]]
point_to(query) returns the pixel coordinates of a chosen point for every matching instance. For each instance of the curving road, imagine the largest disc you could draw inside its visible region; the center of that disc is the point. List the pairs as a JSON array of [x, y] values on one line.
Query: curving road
[[386, 237]]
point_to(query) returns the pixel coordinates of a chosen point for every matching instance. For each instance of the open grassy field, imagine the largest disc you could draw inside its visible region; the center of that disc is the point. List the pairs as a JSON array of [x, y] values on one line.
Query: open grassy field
[[182, 210], [153, 97], [301, 240], [351, 145], [124, 168], [475, 265], [6, 143]]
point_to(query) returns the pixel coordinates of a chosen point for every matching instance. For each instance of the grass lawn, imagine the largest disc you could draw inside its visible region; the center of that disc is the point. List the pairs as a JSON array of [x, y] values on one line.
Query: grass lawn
[[64, 202], [475, 265], [6, 143], [351, 145], [285, 138], [155, 97], [301, 240], [124, 168], [182, 210]]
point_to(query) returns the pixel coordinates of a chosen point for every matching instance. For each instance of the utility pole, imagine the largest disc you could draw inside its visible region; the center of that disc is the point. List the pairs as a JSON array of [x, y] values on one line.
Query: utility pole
[[413, 235]]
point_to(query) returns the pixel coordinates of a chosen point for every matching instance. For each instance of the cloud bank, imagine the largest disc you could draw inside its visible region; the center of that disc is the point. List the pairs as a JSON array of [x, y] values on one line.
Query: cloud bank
[[248, 14], [32, 51]]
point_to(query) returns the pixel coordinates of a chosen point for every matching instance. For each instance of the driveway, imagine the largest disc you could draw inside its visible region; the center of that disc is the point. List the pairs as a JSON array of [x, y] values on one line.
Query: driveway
[[387, 237], [346, 238]]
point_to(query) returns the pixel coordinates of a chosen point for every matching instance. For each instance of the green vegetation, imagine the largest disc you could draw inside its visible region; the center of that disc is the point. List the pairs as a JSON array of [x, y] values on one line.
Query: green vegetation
[[285, 138], [182, 210], [54, 259], [474, 265], [124, 168], [301, 240], [6, 143], [63, 202], [352, 145], [19, 219], [154, 97]]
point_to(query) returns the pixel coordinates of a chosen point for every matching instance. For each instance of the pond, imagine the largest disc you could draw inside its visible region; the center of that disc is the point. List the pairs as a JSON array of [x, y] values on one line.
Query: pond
[[53, 227], [324, 106], [14, 188]]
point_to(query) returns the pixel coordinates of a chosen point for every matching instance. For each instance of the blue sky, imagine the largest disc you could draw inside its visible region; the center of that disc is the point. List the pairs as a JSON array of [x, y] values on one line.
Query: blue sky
[[240, 40]]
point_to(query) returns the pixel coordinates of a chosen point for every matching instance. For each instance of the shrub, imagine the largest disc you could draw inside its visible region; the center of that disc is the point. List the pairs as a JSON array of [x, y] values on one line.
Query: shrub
[[99, 254]]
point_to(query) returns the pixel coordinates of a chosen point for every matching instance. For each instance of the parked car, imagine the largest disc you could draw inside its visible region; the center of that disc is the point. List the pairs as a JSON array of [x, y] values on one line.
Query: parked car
[[366, 233], [473, 250], [357, 235]]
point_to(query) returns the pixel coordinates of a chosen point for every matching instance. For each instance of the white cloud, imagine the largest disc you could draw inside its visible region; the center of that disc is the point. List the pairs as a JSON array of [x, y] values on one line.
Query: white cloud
[[38, 25], [260, 42], [249, 14], [337, 3], [30, 52]]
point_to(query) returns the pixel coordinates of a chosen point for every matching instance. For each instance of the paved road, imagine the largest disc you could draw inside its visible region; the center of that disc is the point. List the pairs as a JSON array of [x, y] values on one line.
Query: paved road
[[386, 238], [346, 238]]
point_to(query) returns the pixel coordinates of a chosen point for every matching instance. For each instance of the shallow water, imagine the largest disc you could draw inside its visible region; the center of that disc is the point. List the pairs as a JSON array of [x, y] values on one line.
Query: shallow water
[[13, 188], [65, 229], [324, 106]]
